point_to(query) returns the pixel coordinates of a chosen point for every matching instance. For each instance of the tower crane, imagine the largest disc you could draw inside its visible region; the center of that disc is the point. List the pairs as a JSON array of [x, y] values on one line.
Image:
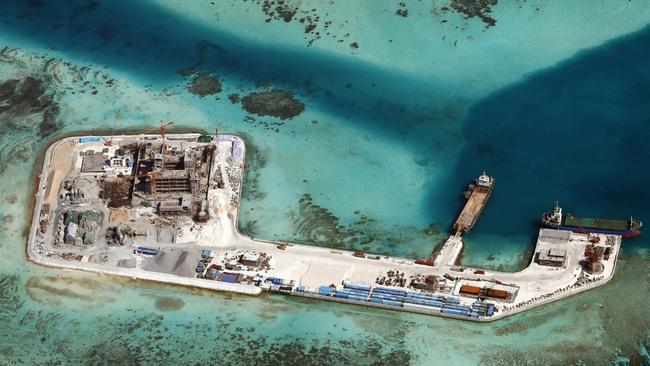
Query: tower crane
[[162, 130]]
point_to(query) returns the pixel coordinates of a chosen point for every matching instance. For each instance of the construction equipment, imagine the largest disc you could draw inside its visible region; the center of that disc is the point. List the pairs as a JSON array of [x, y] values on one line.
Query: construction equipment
[[162, 130]]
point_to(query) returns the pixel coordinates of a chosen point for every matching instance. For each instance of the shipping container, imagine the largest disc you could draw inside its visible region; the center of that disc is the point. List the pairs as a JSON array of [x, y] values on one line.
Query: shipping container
[[424, 297], [147, 249], [427, 303], [390, 291], [407, 304], [499, 294], [381, 294], [277, 281], [357, 286], [459, 307], [356, 292], [421, 307], [89, 139], [391, 303], [357, 298], [386, 297], [454, 312], [229, 277], [490, 310], [423, 294], [470, 290]]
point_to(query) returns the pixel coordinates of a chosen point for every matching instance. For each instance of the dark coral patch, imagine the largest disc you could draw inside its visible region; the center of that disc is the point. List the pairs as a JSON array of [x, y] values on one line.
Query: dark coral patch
[[167, 303], [476, 8], [204, 84], [276, 103]]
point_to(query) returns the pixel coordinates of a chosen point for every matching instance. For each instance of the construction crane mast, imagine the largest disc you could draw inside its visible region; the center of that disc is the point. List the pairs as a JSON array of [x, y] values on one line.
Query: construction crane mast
[[163, 130]]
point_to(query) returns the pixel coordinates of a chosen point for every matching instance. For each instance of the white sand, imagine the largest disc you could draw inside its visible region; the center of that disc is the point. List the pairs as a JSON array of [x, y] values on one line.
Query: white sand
[[314, 266]]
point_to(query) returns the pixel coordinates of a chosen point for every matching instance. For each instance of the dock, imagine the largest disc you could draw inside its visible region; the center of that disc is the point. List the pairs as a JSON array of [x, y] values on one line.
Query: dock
[[477, 195], [96, 210]]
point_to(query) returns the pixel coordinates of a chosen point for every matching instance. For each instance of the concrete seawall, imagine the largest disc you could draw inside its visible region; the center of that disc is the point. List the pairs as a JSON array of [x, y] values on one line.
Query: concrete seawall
[[315, 266]]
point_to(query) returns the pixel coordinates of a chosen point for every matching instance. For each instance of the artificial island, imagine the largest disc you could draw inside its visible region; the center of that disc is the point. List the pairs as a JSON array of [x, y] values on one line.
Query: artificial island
[[164, 207]]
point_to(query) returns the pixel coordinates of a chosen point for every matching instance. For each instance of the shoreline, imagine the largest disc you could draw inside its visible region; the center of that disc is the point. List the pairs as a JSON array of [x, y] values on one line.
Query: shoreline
[[35, 174], [449, 250]]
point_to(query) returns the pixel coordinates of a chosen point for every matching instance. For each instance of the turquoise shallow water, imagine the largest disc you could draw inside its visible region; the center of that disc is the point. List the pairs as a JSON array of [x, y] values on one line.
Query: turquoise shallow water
[[391, 133]]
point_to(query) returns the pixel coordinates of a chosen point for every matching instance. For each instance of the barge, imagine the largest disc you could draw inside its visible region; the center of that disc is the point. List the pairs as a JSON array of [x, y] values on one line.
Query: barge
[[556, 220], [477, 196]]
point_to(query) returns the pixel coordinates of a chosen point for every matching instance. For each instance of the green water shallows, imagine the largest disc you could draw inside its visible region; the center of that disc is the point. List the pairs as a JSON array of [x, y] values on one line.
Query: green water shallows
[[392, 131]]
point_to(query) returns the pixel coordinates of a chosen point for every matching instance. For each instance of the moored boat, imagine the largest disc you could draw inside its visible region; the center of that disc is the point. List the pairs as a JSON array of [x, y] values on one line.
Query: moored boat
[[556, 220]]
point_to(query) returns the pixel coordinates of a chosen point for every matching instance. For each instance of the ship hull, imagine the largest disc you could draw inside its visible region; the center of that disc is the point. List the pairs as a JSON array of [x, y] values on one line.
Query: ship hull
[[582, 230]]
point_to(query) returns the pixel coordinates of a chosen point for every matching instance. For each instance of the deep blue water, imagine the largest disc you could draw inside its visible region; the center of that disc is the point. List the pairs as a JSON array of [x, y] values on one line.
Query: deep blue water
[[153, 44], [577, 132], [574, 132]]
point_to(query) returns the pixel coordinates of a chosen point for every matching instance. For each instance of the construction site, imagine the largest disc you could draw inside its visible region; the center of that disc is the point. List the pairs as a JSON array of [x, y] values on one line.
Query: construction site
[[164, 207]]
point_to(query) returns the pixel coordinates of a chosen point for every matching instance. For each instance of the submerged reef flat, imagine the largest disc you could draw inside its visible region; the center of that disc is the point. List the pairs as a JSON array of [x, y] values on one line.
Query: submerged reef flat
[[25, 105], [130, 65], [314, 224], [26, 99]]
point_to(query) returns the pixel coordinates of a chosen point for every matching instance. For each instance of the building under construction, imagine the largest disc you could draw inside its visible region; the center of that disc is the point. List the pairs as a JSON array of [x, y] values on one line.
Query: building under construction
[[170, 176], [173, 177]]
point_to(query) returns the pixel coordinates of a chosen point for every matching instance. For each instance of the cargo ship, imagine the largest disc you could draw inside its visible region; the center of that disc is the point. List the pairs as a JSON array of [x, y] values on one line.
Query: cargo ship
[[554, 219]]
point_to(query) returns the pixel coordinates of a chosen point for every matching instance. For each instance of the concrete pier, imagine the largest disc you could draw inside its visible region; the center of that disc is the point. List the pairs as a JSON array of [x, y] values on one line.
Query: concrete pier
[[214, 255]]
